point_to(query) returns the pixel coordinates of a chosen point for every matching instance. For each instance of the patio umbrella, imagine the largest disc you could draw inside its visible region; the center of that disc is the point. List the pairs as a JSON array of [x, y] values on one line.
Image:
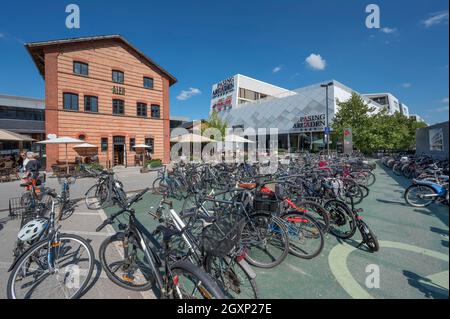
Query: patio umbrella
[[237, 139], [63, 140], [191, 138], [6, 135], [86, 149], [141, 146]]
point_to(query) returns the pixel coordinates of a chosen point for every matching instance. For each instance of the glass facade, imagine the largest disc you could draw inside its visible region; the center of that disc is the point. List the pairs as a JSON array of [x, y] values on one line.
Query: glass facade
[[19, 113]]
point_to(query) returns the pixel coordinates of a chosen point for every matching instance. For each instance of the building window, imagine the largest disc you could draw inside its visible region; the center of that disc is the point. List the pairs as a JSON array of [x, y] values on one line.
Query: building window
[[104, 144], [148, 82], [132, 144], [80, 68], [90, 103], [118, 107], [118, 76], [82, 137], [155, 111], [70, 101], [18, 113], [141, 109], [149, 141]]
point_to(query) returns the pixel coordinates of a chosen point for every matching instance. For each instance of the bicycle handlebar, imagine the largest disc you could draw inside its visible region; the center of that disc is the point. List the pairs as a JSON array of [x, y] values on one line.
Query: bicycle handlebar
[[111, 219]]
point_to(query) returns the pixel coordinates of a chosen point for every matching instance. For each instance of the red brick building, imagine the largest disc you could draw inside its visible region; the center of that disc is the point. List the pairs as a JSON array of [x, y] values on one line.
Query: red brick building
[[103, 90]]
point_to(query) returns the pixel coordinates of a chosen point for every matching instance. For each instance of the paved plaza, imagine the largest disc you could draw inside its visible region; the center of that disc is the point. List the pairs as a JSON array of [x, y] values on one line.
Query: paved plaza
[[413, 259]]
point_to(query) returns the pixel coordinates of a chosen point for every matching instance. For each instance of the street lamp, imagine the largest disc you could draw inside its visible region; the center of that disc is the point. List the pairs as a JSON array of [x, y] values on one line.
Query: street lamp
[[327, 128]]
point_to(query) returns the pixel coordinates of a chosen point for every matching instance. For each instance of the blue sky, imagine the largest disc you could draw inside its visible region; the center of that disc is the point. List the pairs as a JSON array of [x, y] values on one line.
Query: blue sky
[[202, 42]]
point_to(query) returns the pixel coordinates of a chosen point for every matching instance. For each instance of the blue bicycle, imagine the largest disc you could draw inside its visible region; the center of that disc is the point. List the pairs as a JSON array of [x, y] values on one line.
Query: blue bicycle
[[423, 193]]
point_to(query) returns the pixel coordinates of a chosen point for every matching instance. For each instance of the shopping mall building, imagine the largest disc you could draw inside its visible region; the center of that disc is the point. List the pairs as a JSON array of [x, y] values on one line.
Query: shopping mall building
[[106, 92], [299, 115]]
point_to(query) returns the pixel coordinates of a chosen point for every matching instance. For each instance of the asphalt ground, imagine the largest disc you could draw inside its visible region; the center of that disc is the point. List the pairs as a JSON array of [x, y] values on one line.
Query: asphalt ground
[[412, 262]]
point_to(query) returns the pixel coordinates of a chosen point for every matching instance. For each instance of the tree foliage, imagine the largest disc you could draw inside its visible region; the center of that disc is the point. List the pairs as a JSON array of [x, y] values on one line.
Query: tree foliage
[[374, 131], [215, 121]]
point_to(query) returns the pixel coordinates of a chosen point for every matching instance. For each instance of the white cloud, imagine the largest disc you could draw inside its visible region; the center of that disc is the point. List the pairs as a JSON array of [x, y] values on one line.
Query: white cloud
[[436, 18], [441, 109], [406, 85], [388, 30], [187, 94], [316, 62], [277, 69]]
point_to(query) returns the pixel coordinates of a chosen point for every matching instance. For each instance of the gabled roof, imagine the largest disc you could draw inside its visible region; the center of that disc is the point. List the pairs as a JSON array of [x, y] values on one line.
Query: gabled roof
[[36, 50]]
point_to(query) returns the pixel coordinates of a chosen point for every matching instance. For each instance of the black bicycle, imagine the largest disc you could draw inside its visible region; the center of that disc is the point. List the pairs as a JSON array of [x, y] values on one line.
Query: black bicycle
[[133, 257], [106, 192]]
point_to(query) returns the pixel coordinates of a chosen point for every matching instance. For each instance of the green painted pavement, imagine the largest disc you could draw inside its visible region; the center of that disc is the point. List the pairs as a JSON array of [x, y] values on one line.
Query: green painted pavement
[[413, 259]]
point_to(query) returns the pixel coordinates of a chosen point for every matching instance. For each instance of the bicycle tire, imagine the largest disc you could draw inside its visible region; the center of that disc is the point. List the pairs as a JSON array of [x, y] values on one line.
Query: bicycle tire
[[203, 277], [369, 238], [248, 238], [44, 243], [121, 282], [101, 204], [314, 208], [307, 220], [424, 187], [232, 277], [340, 211]]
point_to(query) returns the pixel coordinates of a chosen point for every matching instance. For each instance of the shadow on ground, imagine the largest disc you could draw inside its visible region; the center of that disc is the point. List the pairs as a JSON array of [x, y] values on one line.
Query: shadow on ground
[[425, 286]]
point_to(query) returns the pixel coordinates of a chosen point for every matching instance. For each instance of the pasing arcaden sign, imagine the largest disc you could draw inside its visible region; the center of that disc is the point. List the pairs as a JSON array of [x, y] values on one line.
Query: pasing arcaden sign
[[311, 123], [223, 88]]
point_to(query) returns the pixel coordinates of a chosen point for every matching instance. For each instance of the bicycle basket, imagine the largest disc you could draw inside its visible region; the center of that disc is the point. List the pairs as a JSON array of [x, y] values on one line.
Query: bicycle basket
[[265, 202], [220, 238], [17, 207]]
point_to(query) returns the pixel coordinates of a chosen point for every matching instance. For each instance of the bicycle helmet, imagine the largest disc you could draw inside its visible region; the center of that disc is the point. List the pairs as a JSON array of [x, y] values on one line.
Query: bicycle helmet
[[32, 229]]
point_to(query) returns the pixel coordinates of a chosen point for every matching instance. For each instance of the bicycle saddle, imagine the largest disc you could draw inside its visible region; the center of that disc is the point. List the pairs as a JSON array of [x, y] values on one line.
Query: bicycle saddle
[[247, 185]]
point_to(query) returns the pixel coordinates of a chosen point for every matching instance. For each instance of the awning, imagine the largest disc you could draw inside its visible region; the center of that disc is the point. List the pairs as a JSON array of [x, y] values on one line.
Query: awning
[[6, 135]]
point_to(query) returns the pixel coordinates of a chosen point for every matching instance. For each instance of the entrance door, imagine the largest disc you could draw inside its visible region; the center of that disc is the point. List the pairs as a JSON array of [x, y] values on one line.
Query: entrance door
[[119, 150]]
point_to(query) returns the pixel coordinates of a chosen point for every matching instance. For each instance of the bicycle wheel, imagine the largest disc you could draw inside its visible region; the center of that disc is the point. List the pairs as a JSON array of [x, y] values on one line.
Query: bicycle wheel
[[97, 197], [66, 210], [420, 195], [160, 186], [306, 238], [316, 210], [233, 278], [32, 277], [342, 219], [265, 238], [125, 263], [369, 237], [396, 169], [191, 282], [365, 190]]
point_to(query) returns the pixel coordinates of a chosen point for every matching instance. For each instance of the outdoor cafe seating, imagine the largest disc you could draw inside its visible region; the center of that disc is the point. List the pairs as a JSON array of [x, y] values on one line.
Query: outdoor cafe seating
[[8, 171]]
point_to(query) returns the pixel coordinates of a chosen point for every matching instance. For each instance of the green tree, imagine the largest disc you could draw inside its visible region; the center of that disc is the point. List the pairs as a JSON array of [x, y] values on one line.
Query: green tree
[[354, 114], [374, 131], [215, 121]]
